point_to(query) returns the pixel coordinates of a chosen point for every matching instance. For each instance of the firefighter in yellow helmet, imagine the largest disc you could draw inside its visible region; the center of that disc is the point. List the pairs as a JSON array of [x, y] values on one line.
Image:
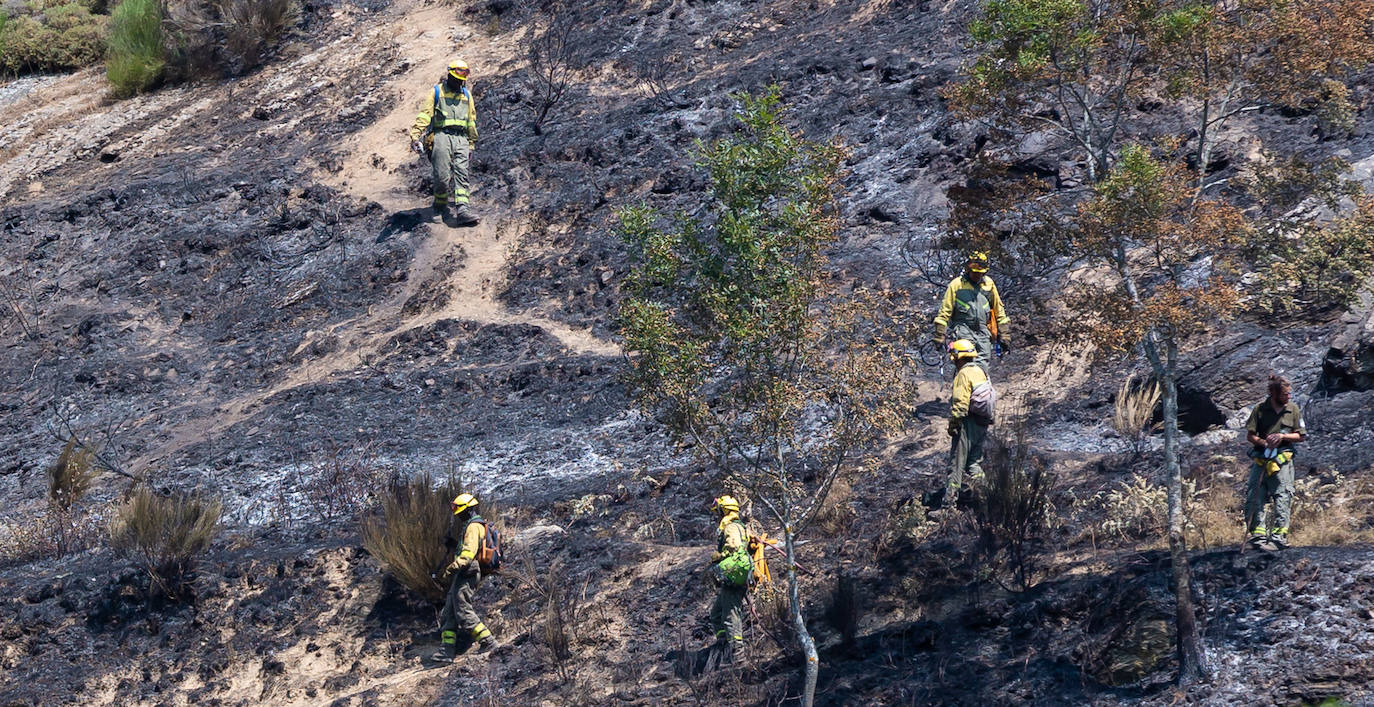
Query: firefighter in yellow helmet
[[966, 431], [465, 574], [1275, 424], [447, 115], [972, 310], [732, 551]]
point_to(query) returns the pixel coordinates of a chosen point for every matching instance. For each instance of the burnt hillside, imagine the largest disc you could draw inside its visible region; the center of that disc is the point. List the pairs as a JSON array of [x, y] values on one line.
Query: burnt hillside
[[231, 286]]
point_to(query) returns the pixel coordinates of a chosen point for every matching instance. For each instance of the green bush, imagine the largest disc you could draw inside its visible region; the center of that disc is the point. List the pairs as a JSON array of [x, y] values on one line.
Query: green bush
[[62, 38], [135, 60]]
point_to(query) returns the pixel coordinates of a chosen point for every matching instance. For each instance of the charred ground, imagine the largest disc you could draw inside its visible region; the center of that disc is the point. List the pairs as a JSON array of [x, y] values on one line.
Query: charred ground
[[236, 279]]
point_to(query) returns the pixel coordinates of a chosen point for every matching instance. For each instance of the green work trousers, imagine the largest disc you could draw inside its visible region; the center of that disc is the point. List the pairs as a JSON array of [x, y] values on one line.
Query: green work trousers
[[981, 338], [965, 455], [458, 614], [1260, 490], [450, 160], [727, 615]]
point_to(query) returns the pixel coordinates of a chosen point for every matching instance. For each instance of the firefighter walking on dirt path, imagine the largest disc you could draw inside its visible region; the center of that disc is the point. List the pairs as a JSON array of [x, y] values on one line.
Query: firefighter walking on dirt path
[[1274, 426], [446, 128], [972, 310], [466, 573], [731, 568], [967, 426]]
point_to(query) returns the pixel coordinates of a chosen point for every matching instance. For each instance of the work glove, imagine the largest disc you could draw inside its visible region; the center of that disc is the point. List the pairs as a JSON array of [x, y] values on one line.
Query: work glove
[[416, 147], [716, 557], [953, 427], [1002, 341], [940, 334]]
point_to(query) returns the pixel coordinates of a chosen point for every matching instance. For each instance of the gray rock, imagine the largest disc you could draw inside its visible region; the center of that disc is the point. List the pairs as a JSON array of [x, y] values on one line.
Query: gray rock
[[537, 533], [1349, 363]]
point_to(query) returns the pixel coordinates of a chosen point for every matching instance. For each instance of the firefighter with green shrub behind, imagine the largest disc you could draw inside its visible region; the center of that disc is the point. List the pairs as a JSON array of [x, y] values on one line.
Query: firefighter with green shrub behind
[[731, 568]]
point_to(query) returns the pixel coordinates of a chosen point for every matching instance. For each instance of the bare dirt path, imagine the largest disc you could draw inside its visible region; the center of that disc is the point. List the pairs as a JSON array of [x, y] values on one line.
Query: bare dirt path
[[427, 37]]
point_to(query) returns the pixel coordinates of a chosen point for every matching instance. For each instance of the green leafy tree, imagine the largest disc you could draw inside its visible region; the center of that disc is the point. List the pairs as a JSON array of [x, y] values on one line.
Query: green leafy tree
[[1306, 268], [1169, 249], [1092, 72], [740, 339]]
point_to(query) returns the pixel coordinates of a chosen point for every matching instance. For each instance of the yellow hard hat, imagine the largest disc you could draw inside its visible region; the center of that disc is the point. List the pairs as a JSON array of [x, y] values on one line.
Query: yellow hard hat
[[462, 502], [458, 69], [726, 504], [963, 348], [978, 261]]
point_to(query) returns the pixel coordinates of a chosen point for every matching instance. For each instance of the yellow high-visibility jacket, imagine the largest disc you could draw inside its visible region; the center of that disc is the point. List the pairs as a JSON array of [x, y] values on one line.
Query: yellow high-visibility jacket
[[972, 307], [970, 376], [472, 542], [731, 537], [452, 109]]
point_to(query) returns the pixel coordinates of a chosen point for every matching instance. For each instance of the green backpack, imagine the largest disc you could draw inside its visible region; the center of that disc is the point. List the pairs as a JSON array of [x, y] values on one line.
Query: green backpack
[[736, 569]]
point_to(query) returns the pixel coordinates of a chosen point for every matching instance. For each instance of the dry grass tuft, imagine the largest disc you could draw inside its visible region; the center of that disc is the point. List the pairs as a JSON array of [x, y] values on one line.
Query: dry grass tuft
[[1333, 510], [1216, 517], [1136, 510], [408, 537], [836, 514], [71, 475], [1134, 409], [165, 535]]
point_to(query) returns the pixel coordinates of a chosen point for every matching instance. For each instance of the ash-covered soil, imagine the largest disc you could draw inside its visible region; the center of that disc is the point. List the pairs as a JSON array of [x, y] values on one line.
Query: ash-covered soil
[[230, 285]]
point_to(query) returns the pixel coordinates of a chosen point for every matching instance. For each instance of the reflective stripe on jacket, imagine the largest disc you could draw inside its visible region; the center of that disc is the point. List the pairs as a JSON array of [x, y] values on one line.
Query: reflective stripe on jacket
[[971, 307], [472, 542], [445, 109]]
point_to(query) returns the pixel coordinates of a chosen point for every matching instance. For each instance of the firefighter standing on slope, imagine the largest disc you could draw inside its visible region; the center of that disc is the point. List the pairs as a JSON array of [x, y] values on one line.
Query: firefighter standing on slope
[[966, 431], [1275, 424], [466, 574], [972, 310], [727, 613], [447, 115]]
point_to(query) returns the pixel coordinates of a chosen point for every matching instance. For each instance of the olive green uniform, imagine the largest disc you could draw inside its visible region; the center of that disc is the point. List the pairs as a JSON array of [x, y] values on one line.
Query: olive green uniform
[[727, 613], [967, 309], [1267, 483], [967, 434], [451, 118]]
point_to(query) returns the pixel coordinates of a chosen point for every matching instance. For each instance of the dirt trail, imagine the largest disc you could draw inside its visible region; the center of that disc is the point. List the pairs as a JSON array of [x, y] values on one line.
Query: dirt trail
[[420, 36], [425, 36]]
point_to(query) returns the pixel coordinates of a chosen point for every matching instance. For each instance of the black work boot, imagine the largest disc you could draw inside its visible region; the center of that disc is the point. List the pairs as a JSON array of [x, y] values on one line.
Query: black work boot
[[486, 645], [447, 653], [462, 216]]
